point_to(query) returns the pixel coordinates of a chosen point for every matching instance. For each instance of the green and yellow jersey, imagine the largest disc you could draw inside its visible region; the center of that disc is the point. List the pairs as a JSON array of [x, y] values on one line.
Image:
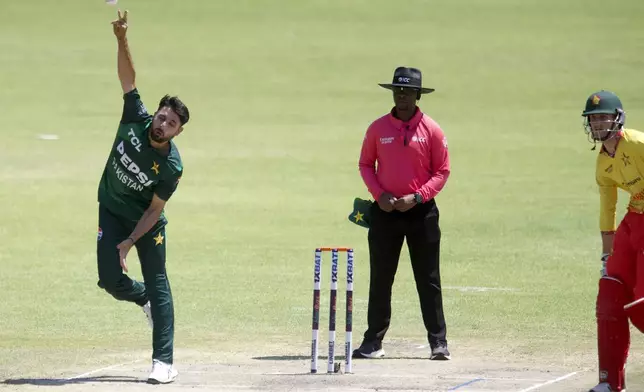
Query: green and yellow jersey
[[134, 170], [626, 171]]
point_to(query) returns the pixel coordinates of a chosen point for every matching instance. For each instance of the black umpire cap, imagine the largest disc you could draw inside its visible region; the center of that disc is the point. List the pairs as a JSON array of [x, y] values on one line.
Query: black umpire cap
[[407, 77]]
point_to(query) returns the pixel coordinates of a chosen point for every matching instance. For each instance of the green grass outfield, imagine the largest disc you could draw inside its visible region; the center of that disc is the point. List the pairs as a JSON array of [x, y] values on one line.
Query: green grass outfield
[[281, 93]]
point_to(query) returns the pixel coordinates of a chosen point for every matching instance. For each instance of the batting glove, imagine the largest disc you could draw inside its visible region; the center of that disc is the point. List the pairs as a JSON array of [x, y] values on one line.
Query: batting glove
[[604, 260]]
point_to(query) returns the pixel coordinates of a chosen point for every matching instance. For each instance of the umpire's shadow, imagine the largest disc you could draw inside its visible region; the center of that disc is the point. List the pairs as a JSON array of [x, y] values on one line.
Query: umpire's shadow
[[338, 358], [54, 382]]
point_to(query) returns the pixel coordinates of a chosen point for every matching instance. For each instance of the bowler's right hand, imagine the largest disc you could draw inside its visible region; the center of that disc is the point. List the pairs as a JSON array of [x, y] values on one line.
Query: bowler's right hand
[[386, 202], [120, 25]]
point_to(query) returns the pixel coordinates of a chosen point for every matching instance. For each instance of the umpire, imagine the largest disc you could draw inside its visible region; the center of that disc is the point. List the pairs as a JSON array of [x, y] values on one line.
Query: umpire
[[410, 150]]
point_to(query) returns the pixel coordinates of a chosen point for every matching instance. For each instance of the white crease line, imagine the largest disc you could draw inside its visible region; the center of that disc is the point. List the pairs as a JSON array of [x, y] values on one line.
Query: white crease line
[[443, 377], [48, 137], [494, 378], [104, 368], [537, 386], [478, 289]]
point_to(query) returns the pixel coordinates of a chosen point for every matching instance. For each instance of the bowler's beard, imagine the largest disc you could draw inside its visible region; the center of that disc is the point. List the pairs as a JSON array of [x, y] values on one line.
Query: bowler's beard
[[156, 135]]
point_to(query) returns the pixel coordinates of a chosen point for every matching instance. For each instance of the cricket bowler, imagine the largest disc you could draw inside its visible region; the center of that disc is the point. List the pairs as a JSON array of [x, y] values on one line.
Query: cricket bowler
[[141, 174]]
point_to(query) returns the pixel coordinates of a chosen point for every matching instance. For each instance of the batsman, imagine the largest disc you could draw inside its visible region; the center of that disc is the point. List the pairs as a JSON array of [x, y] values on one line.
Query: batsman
[[620, 298], [141, 174]]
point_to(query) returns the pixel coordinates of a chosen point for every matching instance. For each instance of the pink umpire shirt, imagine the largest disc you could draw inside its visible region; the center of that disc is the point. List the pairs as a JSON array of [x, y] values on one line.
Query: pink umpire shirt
[[412, 157]]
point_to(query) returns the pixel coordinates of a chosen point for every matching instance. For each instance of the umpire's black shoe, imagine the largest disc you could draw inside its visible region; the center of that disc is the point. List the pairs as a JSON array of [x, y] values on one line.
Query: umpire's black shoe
[[372, 349], [440, 352]]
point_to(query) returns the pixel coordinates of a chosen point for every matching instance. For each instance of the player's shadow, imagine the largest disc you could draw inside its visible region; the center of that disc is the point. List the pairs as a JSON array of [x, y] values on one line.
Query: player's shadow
[[403, 357], [282, 358], [53, 382]]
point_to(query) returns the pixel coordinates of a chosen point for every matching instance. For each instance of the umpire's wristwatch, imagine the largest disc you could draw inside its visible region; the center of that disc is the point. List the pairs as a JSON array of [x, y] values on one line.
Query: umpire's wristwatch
[[418, 198]]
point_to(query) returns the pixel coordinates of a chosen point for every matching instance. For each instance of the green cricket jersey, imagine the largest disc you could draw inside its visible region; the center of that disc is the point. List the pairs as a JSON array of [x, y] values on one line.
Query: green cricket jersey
[[135, 171]]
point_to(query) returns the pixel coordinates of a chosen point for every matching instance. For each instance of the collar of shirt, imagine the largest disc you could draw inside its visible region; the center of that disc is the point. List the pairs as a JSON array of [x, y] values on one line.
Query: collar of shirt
[[405, 126], [412, 123]]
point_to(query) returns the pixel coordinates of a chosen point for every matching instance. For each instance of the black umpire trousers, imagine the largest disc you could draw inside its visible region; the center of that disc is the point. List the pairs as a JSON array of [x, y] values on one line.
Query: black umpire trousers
[[419, 226]]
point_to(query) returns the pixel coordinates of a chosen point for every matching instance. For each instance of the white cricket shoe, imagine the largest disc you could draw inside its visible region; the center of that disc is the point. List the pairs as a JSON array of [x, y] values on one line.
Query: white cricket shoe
[[148, 313], [604, 387], [162, 373]]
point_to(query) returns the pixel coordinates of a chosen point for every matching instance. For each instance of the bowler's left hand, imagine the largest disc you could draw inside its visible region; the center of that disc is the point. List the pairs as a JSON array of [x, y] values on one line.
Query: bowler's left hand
[[405, 203]]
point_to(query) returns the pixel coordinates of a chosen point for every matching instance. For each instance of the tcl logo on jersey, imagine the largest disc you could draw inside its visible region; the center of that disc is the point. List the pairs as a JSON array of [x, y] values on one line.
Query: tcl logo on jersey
[[132, 167], [135, 140]]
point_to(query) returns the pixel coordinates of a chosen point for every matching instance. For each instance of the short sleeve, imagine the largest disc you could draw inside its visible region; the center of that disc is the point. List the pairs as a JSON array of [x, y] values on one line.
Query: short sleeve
[[133, 109], [167, 186]]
